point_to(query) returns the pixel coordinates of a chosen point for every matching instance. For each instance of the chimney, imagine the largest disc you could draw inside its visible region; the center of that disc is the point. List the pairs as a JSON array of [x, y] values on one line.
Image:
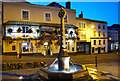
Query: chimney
[[81, 15], [68, 5]]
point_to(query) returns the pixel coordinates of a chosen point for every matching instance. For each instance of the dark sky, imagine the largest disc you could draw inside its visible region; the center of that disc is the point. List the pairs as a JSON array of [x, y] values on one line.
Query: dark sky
[[103, 11]]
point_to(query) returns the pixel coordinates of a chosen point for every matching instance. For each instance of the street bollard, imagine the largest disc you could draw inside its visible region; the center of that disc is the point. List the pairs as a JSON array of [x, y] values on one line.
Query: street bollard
[[18, 66], [95, 61]]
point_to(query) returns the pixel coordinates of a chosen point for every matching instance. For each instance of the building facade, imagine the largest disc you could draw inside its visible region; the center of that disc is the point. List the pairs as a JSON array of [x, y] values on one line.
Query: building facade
[[35, 29], [94, 34], [112, 40], [114, 37]]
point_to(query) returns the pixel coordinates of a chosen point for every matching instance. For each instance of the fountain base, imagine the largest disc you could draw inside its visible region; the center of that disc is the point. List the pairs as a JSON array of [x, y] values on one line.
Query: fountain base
[[54, 74]]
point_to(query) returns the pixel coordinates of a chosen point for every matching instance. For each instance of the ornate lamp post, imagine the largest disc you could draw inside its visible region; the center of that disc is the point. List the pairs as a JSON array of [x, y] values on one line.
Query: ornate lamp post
[[63, 57]]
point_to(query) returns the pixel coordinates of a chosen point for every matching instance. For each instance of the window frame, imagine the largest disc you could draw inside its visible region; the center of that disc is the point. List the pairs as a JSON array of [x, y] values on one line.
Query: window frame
[[99, 42], [95, 42], [13, 47], [104, 42], [22, 14], [83, 36], [82, 25], [104, 34], [103, 26], [99, 33], [94, 33], [99, 26], [50, 16]]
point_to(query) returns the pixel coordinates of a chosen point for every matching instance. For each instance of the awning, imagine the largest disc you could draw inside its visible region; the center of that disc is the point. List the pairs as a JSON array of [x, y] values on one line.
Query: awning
[[38, 24]]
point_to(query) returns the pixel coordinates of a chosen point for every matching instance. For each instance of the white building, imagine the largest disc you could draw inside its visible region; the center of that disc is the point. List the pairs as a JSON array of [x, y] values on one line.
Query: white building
[[94, 34]]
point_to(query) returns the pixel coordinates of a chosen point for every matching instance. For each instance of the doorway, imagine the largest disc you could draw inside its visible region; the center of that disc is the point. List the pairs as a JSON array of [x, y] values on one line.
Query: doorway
[[99, 50], [27, 47]]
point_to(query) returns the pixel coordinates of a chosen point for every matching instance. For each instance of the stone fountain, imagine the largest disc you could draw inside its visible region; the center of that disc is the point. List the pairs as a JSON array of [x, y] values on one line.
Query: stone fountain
[[63, 68]]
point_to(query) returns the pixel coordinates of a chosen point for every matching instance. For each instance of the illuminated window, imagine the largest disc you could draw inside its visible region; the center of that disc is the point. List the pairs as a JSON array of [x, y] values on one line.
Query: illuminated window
[[99, 33], [93, 26], [66, 18], [99, 42], [99, 26], [94, 42], [104, 34], [83, 35], [104, 42], [25, 14], [47, 17], [103, 26], [94, 33]]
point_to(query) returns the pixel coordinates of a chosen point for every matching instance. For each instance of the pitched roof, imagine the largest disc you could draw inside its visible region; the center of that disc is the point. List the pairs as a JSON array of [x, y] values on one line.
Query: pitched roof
[[54, 4], [92, 20], [36, 5]]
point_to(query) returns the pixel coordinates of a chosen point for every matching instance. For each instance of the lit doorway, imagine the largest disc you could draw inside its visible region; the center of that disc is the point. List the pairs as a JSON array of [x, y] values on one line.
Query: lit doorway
[[27, 47]]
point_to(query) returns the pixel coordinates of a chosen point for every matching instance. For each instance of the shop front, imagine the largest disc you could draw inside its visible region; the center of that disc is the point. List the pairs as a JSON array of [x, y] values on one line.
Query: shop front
[[83, 47], [35, 38]]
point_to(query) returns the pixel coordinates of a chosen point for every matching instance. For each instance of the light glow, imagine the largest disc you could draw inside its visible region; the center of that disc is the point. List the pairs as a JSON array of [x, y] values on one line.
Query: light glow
[[46, 43], [20, 77], [92, 26]]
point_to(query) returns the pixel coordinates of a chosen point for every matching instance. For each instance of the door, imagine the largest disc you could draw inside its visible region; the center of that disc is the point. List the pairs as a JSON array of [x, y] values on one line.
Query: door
[[25, 47], [99, 50], [87, 49]]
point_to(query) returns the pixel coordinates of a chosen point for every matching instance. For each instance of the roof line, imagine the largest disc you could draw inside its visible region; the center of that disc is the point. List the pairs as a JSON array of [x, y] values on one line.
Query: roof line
[[92, 20]]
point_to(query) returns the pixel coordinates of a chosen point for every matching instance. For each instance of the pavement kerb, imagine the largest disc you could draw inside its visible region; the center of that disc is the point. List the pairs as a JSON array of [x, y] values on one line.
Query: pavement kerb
[[104, 72]]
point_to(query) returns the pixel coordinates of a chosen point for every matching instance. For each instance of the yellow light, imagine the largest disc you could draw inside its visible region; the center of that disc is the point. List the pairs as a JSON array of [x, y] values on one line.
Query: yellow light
[[92, 26], [110, 38]]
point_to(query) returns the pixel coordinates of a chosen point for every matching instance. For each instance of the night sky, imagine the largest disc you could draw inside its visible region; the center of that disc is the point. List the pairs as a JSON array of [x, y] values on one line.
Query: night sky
[[103, 11]]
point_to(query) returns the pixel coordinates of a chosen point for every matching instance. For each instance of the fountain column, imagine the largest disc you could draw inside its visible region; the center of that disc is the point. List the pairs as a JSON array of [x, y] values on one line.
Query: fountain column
[[63, 57]]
